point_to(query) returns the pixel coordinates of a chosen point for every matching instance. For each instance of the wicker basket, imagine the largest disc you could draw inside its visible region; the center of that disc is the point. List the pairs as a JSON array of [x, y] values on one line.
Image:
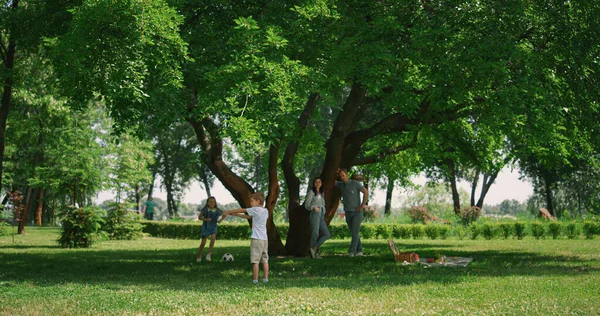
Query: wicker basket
[[405, 256], [401, 256]]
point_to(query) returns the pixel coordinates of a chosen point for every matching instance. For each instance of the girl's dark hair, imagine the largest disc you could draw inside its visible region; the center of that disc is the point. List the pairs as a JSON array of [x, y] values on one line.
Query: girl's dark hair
[[313, 185], [208, 198]]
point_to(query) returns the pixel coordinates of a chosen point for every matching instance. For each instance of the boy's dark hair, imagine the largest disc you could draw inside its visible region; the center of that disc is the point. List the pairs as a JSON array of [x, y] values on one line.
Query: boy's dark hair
[[259, 196]]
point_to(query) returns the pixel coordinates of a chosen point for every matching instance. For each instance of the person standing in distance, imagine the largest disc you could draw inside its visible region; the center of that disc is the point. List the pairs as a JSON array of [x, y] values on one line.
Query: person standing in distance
[[149, 209], [352, 208], [315, 204]]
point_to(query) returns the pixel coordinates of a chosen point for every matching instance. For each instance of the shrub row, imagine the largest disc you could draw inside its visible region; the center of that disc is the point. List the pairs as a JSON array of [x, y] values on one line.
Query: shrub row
[[397, 231]]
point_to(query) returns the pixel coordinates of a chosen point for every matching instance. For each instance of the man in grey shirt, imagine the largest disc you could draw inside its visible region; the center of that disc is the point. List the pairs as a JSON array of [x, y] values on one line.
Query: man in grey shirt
[[353, 208]]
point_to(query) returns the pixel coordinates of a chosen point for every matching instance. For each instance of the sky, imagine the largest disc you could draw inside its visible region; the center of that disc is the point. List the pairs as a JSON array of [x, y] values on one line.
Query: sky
[[507, 186]]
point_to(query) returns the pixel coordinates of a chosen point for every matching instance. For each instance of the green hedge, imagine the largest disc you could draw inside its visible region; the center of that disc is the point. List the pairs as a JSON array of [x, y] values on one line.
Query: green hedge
[[537, 229]]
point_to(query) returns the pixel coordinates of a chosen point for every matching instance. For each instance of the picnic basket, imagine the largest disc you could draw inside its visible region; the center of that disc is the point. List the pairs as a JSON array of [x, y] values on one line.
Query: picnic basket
[[401, 256]]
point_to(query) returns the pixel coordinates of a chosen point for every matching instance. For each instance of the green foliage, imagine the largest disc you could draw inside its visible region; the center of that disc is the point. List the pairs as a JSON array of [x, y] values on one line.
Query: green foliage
[[591, 228], [444, 231], [538, 230], [403, 231], [460, 232], [506, 230], [432, 231], [489, 231], [555, 229], [474, 231], [80, 226], [572, 230], [4, 228], [129, 52], [469, 214], [368, 231], [121, 224], [418, 231], [520, 230], [384, 231]]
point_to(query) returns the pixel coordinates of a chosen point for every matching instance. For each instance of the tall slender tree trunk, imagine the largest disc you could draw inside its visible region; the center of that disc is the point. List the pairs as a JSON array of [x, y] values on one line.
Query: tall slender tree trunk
[[388, 197], [151, 189], [548, 196], [25, 213], [40, 207], [205, 182], [276, 247], [488, 180], [9, 63], [138, 197], [453, 185]]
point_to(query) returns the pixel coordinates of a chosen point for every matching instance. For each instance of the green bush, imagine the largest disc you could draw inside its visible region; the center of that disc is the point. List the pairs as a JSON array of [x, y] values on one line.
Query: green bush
[[339, 231], [554, 229], [444, 231], [488, 231], [520, 230], [417, 231], [384, 231], [3, 228], [121, 224], [506, 230], [460, 232], [474, 231], [572, 230], [406, 231], [368, 231], [590, 229], [80, 227], [537, 230], [432, 232]]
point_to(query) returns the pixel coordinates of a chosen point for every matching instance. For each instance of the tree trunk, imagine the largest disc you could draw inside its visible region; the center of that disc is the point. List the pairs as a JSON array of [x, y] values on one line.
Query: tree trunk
[[343, 125], [138, 197], [170, 200], [205, 181], [298, 238], [212, 145], [40, 207], [474, 187], [388, 197], [151, 189], [9, 62], [488, 180], [548, 195], [276, 247], [455, 195], [25, 212]]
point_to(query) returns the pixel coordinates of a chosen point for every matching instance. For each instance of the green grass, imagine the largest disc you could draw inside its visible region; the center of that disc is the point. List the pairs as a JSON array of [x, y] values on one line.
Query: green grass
[[159, 276]]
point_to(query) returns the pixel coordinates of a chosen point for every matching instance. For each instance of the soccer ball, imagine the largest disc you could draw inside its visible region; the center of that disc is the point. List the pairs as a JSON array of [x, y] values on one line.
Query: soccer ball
[[227, 257]]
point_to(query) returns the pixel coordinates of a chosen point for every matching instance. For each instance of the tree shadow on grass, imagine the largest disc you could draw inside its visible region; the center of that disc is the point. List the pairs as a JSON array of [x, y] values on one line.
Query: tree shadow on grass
[[176, 269]]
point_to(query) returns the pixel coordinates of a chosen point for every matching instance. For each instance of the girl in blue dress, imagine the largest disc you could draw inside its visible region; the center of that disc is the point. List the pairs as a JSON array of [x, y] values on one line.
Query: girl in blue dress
[[209, 214]]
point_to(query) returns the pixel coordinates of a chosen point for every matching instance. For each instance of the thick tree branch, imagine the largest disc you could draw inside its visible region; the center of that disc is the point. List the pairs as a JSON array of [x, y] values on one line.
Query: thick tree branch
[[382, 155]]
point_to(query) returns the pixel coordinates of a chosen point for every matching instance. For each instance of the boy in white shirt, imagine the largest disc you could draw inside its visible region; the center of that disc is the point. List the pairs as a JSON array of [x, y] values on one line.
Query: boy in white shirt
[[259, 241]]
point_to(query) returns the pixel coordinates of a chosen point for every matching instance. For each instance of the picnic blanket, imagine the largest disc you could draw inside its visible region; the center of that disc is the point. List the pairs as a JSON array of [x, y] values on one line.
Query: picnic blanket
[[448, 262]]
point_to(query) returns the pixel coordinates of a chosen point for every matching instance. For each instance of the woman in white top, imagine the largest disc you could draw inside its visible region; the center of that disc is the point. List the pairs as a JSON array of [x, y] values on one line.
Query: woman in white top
[[315, 204]]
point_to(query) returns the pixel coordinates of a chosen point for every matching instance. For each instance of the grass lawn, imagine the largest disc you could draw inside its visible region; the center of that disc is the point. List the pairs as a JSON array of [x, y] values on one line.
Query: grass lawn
[[160, 276]]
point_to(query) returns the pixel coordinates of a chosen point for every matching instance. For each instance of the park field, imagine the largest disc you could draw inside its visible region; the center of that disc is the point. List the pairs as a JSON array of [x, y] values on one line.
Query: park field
[[155, 276]]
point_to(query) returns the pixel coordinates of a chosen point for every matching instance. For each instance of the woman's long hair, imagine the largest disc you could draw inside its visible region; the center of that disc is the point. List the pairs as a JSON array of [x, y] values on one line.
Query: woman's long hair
[[315, 189]]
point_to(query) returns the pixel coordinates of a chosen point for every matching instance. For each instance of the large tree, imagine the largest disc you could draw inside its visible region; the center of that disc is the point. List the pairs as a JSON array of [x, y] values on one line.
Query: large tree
[[254, 72]]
